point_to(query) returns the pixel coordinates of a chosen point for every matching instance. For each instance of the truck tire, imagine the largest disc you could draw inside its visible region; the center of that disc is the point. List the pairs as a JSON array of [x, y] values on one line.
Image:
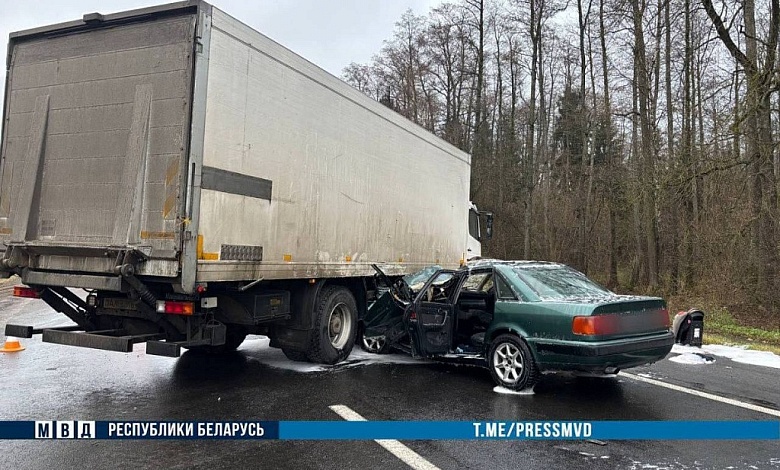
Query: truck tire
[[335, 326], [234, 336]]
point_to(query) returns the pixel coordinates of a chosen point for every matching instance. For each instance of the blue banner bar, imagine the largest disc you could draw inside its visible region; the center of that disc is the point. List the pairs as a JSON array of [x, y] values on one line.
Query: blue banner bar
[[17, 429], [400, 430], [530, 430]]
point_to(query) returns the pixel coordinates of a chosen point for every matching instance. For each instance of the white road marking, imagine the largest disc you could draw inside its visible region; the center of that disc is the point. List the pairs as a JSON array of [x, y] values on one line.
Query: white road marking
[[407, 455], [710, 396]]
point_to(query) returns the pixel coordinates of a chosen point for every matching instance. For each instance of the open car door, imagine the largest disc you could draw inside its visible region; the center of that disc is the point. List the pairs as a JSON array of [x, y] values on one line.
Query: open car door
[[430, 318]]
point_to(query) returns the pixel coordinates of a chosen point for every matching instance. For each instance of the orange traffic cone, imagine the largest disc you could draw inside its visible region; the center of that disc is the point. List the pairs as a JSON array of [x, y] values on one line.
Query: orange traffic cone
[[12, 345]]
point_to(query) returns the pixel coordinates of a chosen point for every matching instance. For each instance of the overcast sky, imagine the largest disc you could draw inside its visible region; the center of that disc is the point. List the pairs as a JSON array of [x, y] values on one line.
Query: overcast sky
[[330, 33]]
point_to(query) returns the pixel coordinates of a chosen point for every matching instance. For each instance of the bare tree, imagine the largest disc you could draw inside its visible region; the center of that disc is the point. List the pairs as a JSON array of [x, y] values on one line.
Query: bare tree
[[761, 79]]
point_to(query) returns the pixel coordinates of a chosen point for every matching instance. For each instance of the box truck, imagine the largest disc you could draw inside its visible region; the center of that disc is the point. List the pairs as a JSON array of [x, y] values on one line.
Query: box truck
[[201, 182]]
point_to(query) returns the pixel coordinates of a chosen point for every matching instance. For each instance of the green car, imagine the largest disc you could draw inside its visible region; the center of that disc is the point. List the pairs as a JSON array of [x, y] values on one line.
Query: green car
[[518, 319]]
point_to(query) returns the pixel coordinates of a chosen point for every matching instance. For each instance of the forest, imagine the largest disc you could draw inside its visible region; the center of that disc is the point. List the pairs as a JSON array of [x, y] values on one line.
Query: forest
[[635, 140]]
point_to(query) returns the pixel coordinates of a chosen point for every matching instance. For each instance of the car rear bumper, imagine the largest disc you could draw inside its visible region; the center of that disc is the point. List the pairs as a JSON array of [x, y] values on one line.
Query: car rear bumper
[[597, 356]]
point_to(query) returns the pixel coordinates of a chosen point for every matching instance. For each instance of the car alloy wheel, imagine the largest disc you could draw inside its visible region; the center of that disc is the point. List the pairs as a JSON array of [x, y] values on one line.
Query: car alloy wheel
[[508, 363], [374, 344], [511, 363]]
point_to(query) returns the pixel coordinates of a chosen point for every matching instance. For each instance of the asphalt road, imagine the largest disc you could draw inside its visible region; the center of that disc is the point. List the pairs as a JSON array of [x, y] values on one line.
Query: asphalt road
[[58, 382]]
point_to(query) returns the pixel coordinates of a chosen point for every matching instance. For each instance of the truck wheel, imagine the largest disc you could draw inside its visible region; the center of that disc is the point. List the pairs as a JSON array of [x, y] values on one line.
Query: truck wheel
[[511, 363], [234, 336], [335, 326]]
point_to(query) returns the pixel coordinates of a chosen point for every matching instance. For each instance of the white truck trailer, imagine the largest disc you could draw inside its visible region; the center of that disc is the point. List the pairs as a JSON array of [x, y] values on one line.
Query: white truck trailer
[[203, 183]]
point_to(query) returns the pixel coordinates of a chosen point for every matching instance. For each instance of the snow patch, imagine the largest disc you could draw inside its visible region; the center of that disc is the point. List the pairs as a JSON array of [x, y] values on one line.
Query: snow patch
[[691, 358], [257, 341], [735, 353], [506, 391]]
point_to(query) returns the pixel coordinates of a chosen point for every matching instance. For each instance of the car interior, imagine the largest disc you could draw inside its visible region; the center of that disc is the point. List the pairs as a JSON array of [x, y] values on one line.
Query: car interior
[[474, 311]]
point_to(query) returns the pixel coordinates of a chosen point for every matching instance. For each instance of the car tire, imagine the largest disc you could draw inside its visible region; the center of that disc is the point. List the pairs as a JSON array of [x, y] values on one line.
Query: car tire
[[335, 326], [234, 336], [511, 363], [293, 355], [374, 345]]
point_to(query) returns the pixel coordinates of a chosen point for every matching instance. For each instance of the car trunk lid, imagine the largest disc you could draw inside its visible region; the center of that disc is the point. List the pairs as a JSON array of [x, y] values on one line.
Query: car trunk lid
[[624, 317]]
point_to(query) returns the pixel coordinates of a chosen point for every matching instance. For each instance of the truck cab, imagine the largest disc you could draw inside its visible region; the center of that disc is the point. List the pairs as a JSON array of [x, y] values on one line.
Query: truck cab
[[480, 229]]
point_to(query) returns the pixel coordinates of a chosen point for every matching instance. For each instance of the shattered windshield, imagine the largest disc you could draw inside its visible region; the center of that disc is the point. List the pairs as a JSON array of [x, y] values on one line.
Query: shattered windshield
[[415, 281], [559, 282], [404, 289]]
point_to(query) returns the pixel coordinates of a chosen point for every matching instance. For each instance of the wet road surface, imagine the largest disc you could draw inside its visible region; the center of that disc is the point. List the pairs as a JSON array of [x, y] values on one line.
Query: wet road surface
[[50, 381]]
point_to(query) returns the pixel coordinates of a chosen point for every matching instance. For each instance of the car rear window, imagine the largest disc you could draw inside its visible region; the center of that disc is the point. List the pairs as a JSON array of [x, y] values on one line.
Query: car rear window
[[559, 282]]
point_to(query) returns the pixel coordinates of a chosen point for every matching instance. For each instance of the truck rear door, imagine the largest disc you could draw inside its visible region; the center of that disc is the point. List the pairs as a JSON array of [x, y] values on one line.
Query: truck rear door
[[96, 130]]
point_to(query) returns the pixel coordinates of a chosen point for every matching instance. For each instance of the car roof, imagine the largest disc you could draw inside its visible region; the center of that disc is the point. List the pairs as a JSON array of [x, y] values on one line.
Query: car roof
[[488, 262]]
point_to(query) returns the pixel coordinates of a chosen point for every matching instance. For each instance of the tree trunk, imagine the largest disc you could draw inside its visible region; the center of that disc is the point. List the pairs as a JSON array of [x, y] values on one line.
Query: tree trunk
[[670, 156], [612, 281], [648, 158], [637, 263], [528, 160]]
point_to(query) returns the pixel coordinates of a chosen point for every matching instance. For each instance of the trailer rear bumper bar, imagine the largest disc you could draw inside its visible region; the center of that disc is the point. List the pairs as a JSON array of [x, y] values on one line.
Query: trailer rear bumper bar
[[83, 281], [108, 340], [24, 331], [113, 340]]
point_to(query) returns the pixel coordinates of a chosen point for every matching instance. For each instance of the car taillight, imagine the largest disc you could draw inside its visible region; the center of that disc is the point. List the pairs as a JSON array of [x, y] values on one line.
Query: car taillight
[[594, 325], [175, 307], [584, 326], [665, 318], [28, 292]]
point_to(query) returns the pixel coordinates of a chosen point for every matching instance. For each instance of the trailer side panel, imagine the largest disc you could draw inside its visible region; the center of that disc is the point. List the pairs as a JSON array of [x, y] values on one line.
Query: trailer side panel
[[304, 176]]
